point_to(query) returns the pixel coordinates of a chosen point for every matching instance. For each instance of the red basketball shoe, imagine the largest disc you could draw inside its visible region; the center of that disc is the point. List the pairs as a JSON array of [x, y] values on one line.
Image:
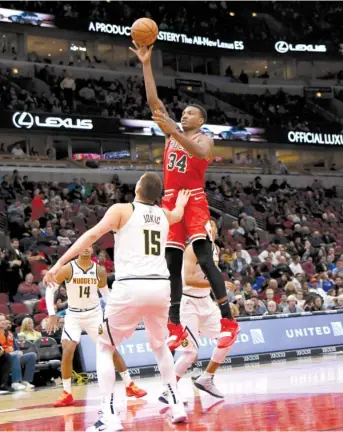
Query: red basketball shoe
[[133, 391], [66, 399]]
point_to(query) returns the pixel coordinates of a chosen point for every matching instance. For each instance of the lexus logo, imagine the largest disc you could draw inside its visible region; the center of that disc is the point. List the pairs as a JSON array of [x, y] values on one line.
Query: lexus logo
[[281, 47], [23, 120], [27, 121]]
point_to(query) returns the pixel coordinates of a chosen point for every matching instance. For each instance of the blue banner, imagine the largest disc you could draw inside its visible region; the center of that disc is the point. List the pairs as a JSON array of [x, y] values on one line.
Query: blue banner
[[258, 335]]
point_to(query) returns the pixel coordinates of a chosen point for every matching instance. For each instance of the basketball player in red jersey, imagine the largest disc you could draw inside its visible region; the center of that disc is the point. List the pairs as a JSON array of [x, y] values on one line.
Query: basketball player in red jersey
[[186, 157]]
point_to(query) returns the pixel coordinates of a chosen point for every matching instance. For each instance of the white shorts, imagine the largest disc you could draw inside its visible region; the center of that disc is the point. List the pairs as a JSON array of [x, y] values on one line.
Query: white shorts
[[199, 315], [77, 322], [131, 302]]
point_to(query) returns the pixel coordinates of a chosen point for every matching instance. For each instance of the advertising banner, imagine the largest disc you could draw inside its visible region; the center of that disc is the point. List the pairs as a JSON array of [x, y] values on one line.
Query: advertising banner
[[164, 36], [257, 336], [30, 18], [58, 123], [230, 133], [326, 136]]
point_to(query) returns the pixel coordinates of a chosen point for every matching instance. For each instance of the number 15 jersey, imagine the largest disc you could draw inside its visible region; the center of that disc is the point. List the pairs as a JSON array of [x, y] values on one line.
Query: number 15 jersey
[[181, 169], [139, 248], [82, 288]]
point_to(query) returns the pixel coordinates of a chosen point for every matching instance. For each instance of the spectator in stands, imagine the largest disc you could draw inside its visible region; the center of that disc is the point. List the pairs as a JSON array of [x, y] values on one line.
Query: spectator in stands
[[248, 223], [236, 230], [19, 360], [244, 254], [316, 288], [292, 306], [68, 86], [280, 238], [103, 261], [3, 150], [61, 301], [38, 207], [272, 308], [309, 268], [239, 264], [27, 331], [339, 302], [28, 293], [248, 308], [259, 307], [295, 265], [5, 369], [17, 151], [329, 216]]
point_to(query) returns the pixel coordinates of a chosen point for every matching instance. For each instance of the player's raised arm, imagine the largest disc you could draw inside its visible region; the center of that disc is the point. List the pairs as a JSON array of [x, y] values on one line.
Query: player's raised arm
[[144, 55], [175, 215], [110, 222]]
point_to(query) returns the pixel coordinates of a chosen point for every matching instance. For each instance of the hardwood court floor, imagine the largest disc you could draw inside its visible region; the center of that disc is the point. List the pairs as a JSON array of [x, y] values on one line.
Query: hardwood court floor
[[302, 395]]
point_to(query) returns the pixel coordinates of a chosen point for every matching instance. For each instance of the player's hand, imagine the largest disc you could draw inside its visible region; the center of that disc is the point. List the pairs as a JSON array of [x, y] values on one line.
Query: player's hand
[[142, 52], [51, 325], [165, 123], [49, 278], [183, 197]]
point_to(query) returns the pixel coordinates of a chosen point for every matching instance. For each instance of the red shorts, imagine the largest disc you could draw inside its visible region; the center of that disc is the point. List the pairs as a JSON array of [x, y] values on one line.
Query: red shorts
[[195, 223]]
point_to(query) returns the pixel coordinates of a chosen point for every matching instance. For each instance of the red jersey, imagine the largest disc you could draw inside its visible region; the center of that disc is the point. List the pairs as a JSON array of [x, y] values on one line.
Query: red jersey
[[182, 170]]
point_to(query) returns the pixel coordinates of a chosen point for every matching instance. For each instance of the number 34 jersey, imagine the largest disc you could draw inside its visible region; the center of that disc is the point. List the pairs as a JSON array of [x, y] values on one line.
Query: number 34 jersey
[[82, 288], [139, 248], [181, 169]]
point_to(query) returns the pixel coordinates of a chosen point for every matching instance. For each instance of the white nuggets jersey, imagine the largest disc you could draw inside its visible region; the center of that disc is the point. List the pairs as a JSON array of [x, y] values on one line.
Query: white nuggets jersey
[[140, 245], [82, 288]]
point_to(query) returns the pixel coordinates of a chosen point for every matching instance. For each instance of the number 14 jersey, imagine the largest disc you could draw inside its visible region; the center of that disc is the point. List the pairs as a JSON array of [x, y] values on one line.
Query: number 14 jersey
[[82, 288], [181, 169], [139, 248]]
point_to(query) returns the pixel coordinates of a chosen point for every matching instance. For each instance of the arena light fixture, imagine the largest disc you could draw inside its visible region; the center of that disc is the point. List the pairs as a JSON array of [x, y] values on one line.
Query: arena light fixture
[[254, 14], [232, 14]]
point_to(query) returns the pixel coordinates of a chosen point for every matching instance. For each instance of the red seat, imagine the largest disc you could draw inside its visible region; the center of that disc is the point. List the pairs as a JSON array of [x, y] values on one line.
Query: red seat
[[38, 318], [18, 308], [4, 309], [3, 298]]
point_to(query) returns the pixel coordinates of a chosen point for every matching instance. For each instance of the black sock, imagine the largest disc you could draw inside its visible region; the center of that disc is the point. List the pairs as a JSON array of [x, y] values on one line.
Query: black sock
[[174, 259], [203, 251]]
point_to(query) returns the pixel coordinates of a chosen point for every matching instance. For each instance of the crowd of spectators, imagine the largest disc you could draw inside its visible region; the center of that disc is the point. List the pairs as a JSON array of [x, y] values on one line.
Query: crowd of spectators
[[298, 266]]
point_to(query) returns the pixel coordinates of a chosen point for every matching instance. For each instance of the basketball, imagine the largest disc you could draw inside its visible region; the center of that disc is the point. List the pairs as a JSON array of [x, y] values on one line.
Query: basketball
[[144, 31]]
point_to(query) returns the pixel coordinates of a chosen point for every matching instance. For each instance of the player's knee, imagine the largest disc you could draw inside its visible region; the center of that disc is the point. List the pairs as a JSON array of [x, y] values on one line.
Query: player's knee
[[68, 349], [174, 258], [203, 252]]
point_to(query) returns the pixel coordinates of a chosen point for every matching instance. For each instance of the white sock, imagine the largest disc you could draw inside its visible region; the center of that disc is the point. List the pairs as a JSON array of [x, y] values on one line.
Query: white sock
[[67, 385], [106, 377], [126, 377], [165, 363], [207, 375]]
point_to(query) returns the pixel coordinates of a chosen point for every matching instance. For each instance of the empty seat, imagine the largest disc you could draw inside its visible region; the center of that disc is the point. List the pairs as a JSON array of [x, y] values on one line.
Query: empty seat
[[38, 318], [47, 349], [3, 298], [18, 308], [4, 309]]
